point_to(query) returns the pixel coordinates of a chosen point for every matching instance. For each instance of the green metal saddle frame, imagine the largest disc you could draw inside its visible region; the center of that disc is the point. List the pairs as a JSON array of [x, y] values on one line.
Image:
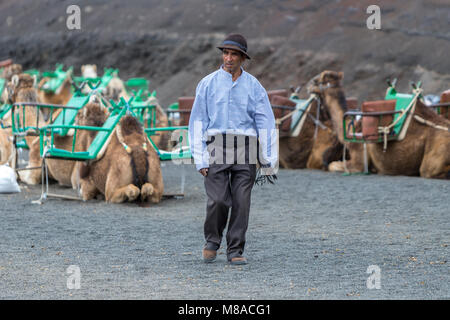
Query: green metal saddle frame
[[2, 85], [183, 152], [48, 150], [100, 82], [4, 109], [62, 122]]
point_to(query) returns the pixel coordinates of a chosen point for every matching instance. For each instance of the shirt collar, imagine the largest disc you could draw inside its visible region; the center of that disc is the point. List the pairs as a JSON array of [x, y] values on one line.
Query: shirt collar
[[227, 74]]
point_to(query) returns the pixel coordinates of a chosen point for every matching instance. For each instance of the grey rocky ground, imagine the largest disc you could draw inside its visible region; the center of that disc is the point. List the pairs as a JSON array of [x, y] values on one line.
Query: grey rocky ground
[[312, 236]]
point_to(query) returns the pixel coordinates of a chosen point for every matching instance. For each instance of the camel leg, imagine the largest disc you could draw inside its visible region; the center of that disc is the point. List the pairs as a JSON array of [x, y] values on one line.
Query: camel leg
[[147, 191], [155, 182], [283, 163], [88, 190], [336, 166], [314, 160], [5, 147], [116, 194], [435, 165], [33, 176], [127, 193]]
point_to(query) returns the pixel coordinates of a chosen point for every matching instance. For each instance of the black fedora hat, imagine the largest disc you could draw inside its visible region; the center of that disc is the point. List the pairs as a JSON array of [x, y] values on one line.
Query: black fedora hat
[[237, 42]]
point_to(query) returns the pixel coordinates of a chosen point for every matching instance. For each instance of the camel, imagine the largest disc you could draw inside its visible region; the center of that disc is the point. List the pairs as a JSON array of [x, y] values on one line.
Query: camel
[[314, 147], [89, 71], [129, 168], [5, 147], [22, 89], [424, 151], [116, 90]]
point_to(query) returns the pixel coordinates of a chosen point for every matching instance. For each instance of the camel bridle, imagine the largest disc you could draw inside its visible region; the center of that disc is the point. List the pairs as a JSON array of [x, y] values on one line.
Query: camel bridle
[[327, 85]]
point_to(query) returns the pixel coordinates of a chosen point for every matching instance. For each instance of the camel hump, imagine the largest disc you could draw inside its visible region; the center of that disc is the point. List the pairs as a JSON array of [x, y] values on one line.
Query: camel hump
[[130, 125], [131, 135], [92, 114]]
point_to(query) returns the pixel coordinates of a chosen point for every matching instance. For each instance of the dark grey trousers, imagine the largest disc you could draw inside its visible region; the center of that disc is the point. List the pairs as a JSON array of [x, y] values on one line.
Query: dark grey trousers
[[228, 185]]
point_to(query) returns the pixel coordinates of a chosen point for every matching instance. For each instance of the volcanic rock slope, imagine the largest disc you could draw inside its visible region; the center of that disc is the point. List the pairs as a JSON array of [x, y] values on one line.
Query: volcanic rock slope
[[173, 43]]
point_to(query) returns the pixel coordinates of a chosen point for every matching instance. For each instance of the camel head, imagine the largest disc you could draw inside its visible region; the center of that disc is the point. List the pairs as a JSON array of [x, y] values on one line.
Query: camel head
[[115, 90], [89, 71], [21, 87], [324, 81], [93, 114], [327, 87], [11, 70], [328, 84]]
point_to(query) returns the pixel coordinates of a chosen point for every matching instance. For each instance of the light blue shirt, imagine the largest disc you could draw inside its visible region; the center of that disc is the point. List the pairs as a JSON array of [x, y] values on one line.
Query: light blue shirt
[[241, 107]]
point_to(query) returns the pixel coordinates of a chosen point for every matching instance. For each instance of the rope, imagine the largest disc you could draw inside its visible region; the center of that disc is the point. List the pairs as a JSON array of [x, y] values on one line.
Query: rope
[[122, 140], [317, 118], [280, 120], [429, 123]]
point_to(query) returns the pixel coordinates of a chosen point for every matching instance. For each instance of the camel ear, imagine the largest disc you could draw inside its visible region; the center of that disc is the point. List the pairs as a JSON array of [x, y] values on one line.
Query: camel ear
[[15, 80], [341, 75], [94, 66], [82, 69]]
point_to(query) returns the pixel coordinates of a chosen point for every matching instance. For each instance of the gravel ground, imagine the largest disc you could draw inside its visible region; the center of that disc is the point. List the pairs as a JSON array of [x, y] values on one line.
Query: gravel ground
[[312, 236]]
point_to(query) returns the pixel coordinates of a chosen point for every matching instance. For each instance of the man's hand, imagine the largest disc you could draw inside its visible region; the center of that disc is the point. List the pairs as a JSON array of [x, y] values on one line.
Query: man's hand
[[204, 172]]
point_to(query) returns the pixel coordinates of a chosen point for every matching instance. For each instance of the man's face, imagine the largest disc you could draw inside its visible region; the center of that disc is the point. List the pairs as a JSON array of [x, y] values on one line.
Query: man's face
[[232, 60]]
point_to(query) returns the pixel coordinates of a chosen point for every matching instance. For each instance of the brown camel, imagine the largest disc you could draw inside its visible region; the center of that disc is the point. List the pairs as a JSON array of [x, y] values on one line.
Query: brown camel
[[424, 151], [124, 175], [22, 89], [116, 90]]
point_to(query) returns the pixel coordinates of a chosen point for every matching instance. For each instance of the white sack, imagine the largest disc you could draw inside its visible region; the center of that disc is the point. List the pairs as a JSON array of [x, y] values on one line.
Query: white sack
[[8, 182]]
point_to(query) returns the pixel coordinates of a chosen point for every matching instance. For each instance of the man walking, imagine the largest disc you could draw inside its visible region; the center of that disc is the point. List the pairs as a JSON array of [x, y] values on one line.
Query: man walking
[[231, 111]]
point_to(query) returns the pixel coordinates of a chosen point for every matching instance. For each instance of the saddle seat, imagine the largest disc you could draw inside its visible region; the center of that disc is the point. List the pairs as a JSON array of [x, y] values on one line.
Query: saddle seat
[[445, 97], [370, 123]]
